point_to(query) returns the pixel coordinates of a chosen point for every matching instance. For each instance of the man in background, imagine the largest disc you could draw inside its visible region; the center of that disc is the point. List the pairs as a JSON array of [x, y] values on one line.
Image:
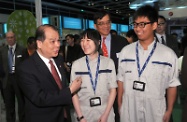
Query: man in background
[[111, 45], [70, 51], [165, 38], [11, 56]]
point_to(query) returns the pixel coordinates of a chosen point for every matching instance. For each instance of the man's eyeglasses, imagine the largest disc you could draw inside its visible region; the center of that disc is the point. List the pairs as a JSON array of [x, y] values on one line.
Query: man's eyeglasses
[[104, 23], [141, 24], [161, 24]]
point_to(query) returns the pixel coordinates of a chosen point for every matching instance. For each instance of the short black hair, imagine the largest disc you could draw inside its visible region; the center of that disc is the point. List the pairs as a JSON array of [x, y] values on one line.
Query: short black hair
[[147, 11], [93, 35], [100, 15], [40, 31], [162, 17], [132, 34], [69, 35], [31, 39], [113, 31]]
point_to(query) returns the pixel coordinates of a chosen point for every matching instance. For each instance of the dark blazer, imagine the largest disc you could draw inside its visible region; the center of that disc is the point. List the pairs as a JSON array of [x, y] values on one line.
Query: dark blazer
[[25, 54], [2, 73], [117, 43], [44, 102], [4, 60], [73, 53], [172, 43], [184, 84]]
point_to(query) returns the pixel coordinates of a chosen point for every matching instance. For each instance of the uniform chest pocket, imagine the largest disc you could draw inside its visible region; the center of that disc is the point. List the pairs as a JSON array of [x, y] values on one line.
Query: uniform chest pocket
[[129, 68], [104, 80], [160, 69]]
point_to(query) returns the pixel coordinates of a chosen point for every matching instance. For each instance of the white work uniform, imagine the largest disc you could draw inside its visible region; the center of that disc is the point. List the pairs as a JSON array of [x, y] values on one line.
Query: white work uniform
[[160, 73], [106, 81]]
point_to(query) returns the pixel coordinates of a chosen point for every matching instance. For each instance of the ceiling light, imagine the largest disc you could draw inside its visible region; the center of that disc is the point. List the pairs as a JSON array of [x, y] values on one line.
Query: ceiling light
[[167, 8], [181, 7]]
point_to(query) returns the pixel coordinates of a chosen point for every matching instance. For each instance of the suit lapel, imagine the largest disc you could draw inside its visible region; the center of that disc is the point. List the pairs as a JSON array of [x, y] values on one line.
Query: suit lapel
[[43, 68], [18, 54]]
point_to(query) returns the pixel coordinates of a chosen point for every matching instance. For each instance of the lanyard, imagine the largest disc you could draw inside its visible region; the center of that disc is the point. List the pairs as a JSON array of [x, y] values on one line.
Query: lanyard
[[94, 84], [140, 71]]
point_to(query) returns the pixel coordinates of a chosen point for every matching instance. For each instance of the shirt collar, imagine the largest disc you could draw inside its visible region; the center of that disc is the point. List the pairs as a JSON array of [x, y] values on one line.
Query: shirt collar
[[46, 60], [149, 47], [159, 35], [108, 37], [13, 47]]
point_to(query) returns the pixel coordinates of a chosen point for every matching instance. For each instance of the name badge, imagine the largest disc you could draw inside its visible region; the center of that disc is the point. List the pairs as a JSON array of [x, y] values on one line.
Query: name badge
[[138, 85], [96, 101]]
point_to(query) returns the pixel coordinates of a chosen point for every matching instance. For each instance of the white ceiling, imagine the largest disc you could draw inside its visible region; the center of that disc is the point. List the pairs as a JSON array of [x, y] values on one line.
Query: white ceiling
[[163, 4]]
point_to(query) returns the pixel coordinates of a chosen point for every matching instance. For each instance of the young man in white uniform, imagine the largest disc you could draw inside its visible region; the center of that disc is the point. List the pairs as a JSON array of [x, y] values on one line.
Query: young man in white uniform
[[146, 70]]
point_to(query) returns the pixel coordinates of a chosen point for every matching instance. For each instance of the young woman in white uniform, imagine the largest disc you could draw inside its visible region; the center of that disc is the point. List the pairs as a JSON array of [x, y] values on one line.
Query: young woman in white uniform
[[94, 101]]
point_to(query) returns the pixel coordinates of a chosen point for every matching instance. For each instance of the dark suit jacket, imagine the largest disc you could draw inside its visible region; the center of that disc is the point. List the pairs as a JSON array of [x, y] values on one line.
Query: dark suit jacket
[[172, 43], [117, 43], [25, 54], [4, 60], [2, 73], [73, 53], [44, 102], [184, 71], [184, 84]]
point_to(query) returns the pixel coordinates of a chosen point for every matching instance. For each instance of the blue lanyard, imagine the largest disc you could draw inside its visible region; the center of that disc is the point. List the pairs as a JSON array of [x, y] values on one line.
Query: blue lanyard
[[140, 71], [94, 84]]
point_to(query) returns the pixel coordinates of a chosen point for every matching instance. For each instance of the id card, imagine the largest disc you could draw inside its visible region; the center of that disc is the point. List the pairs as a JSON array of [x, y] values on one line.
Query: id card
[[96, 101], [138, 85]]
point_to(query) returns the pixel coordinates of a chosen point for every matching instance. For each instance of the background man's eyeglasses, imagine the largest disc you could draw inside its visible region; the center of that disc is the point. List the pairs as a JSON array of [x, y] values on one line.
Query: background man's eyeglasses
[[141, 24], [104, 23], [161, 24]]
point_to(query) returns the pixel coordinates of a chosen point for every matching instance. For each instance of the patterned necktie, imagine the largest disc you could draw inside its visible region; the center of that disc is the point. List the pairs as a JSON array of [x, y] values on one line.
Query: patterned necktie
[[10, 59], [162, 37], [55, 75], [104, 48]]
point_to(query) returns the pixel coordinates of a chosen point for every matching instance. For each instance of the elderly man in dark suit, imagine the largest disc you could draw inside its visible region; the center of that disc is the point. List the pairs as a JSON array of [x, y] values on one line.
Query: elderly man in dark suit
[[184, 84], [11, 56], [42, 79], [163, 37], [166, 39], [113, 43]]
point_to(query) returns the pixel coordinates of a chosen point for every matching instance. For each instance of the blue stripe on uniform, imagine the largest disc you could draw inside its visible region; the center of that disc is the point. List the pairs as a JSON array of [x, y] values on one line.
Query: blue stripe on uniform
[[81, 73], [163, 63], [128, 60], [100, 71], [105, 71]]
